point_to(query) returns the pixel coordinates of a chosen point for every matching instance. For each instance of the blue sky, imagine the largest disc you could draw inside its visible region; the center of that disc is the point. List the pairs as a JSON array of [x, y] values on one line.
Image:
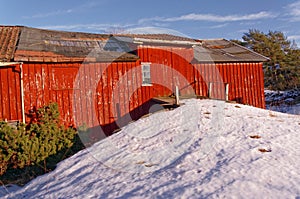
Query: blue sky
[[199, 19]]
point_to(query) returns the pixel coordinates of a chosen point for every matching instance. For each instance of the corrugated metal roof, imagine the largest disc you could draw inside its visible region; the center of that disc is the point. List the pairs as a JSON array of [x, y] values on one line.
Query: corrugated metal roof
[[8, 39], [221, 50], [38, 45], [57, 46], [165, 37]]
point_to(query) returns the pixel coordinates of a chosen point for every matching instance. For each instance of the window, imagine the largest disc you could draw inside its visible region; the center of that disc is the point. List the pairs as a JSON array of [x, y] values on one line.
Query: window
[[146, 74]]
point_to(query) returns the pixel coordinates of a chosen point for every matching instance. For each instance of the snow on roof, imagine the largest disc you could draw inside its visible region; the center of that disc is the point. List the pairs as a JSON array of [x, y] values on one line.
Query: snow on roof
[[202, 149]]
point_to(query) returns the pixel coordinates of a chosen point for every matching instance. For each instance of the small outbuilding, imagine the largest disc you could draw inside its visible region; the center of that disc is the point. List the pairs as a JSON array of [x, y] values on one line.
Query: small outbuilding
[[104, 80]]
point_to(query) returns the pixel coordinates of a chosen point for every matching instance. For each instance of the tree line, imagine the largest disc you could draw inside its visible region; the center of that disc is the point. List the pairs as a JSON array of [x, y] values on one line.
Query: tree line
[[282, 71]]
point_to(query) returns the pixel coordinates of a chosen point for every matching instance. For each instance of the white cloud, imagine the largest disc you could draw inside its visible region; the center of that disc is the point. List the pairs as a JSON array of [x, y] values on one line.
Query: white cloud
[[155, 30], [219, 26], [49, 14], [294, 37], [293, 10], [111, 28], [100, 28], [80, 8], [212, 17]]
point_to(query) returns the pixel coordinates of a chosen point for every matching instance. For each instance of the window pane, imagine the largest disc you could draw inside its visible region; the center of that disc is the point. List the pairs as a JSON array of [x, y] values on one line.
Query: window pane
[[146, 74]]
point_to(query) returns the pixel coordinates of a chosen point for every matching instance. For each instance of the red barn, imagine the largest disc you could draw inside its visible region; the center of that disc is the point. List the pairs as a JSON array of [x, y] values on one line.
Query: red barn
[[106, 80]]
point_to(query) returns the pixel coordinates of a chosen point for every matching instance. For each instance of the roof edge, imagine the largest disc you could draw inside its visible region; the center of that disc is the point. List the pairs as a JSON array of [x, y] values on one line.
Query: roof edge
[[258, 54]]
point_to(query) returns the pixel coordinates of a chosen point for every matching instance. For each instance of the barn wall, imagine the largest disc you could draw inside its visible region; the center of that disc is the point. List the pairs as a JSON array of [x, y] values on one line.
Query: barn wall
[[112, 94], [170, 67], [246, 82], [10, 98], [105, 94]]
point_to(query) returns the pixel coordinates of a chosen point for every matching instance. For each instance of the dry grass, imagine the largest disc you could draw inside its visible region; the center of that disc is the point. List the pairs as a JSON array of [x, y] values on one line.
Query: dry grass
[[150, 165], [255, 136], [264, 150], [141, 162], [271, 114]]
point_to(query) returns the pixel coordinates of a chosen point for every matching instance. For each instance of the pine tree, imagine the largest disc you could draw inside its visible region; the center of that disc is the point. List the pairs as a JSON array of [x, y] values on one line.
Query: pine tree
[[282, 70], [45, 137]]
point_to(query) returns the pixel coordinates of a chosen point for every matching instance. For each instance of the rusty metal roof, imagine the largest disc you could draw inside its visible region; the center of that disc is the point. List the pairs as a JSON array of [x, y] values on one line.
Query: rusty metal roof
[[164, 37], [221, 50], [8, 39], [59, 46], [38, 45]]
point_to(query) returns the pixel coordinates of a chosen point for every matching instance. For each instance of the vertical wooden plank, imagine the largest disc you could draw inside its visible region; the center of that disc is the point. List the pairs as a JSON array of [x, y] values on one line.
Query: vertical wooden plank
[[109, 92], [234, 81], [219, 82], [208, 74], [175, 66], [2, 105], [131, 83], [241, 81], [244, 83], [76, 98], [12, 113], [135, 83], [168, 73], [255, 87], [114, 97], [195, 80], [92, 92], [123, 89], [26, 89], [213, 80], [80, 96], [237, 81], [248, 84], [32, 87], [41, 84], [99, 94], [17, 77], [46, 83], [93, 97], [155, 63], [221, 85], [126, 72], [103, 94], [202, 83], [261, 79], [5, 94], [252, 84]]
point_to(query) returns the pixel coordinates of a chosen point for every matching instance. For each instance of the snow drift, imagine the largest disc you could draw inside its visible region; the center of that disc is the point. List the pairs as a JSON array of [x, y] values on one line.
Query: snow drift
[[202, 149]]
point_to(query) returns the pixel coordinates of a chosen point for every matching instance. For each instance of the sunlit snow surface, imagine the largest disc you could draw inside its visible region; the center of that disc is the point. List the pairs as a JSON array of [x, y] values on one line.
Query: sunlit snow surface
[[202, 149]]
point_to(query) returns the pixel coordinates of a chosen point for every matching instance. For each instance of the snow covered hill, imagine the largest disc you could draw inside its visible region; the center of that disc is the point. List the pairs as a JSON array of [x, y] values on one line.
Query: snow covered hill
[[283, 101], [203, 149]]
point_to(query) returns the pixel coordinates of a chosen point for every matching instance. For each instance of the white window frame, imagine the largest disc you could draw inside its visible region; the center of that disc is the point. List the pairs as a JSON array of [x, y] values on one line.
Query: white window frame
[[146, 74]]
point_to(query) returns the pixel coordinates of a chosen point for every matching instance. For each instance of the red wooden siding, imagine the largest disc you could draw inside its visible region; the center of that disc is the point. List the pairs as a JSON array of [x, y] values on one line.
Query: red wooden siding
[[10, 98], [112, 94], [170, 67], [245, 82]]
